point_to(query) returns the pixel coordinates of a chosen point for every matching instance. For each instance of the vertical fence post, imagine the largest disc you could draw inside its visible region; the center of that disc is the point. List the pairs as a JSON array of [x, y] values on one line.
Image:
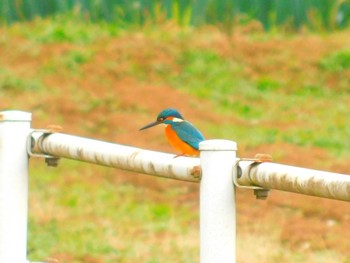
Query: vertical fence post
[[14, 129], [217, 202]]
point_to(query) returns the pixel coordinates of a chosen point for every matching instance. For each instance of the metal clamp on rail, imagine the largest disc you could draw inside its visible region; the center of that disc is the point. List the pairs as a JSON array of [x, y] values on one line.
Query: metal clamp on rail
[[33, 139], [259, 192]]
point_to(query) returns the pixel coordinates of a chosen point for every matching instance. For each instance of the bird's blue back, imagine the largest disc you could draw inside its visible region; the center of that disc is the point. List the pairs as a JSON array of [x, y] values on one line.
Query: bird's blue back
[[188, 133]]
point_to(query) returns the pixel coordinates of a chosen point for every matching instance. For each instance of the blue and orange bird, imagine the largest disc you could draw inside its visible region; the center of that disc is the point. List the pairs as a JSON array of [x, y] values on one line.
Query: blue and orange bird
[[181, 134]]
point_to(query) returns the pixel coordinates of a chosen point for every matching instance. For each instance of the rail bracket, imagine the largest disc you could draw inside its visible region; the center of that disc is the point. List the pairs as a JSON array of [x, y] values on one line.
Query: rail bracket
[[259, 192], [33, 136]]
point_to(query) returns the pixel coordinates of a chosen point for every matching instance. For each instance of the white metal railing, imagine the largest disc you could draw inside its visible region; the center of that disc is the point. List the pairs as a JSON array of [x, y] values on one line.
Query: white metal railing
[[218, 171]]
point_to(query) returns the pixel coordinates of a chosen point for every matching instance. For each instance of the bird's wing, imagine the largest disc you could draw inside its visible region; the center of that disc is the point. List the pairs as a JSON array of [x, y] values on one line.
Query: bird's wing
[[188, 133]]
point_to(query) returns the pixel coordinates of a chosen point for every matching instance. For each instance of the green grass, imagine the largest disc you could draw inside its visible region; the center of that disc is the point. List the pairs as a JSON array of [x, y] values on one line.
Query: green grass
[[207, 75], [66, 28], [11, 81], [337, 61], [70, 60]]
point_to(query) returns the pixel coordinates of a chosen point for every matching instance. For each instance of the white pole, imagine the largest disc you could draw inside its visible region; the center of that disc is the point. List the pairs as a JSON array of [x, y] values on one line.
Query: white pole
[[14, 129], [217, 202]]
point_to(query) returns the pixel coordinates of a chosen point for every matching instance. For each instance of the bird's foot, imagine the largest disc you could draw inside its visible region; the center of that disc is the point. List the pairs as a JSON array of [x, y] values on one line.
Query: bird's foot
[[179, 155]]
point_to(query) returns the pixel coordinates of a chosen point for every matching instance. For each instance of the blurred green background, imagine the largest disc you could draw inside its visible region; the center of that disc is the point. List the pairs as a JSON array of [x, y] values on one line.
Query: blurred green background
[[271, 13], [273, 76]]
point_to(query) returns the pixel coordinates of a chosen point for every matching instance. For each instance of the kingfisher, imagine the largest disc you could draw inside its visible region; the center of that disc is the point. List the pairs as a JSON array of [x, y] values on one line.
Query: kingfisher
[[181, 134]]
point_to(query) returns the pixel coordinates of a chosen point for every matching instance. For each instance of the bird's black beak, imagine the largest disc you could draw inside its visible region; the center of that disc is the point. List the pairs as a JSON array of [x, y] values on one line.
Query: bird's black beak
[[151, 125]]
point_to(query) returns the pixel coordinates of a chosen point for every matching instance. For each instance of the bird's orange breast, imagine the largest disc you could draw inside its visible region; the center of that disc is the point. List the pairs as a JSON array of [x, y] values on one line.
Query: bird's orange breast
[[179, 144]]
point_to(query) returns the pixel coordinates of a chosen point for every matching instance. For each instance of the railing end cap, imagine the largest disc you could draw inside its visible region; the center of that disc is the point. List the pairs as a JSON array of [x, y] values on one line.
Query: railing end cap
[[15, 115], [218, 145]]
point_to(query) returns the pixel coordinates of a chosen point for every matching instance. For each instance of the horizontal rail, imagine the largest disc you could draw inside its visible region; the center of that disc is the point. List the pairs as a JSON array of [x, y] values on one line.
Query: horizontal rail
[[296, 180], [267, 175], [118, 156]]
